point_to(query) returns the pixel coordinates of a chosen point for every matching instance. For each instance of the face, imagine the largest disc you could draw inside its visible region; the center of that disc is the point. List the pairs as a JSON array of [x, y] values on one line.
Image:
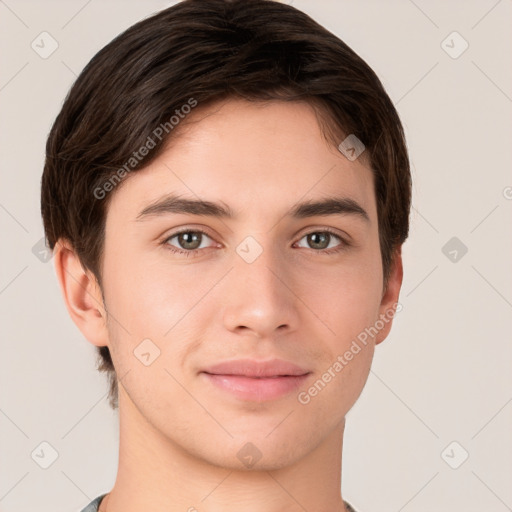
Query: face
[[187, 288]]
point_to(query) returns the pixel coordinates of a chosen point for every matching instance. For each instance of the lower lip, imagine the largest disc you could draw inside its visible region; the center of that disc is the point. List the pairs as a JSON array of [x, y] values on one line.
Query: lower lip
[[257, 389]]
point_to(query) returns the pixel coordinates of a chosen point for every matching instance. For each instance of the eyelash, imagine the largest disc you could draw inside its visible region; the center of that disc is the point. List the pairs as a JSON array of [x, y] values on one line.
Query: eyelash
[[195, 252]]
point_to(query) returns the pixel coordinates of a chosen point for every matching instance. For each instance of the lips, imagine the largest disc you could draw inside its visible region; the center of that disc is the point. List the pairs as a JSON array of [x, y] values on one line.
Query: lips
[[256, 381], [254, 368]]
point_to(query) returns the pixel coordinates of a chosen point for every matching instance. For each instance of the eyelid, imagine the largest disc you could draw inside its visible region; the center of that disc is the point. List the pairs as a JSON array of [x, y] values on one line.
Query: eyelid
[[326, 229]]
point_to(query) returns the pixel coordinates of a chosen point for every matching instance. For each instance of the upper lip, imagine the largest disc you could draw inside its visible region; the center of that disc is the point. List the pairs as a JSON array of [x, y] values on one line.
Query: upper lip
[[254, 368]]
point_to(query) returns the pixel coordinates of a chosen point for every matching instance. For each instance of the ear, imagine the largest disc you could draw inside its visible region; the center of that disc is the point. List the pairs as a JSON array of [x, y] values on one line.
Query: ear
[[81, 293], [389, 306]]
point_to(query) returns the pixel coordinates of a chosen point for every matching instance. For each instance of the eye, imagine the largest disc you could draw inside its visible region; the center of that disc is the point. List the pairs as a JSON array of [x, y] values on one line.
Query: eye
[[189, 241], [323, 241]]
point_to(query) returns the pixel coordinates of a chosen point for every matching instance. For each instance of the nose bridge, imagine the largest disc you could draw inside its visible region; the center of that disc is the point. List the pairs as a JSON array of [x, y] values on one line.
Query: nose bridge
[[257, 264], [258, 296]]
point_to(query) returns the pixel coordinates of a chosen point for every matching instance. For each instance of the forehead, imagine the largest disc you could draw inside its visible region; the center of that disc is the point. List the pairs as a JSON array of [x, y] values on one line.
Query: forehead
[[258, 158]]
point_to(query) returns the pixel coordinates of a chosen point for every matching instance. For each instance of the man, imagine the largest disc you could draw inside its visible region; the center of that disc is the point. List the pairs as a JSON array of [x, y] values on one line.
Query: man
[[226, 191]]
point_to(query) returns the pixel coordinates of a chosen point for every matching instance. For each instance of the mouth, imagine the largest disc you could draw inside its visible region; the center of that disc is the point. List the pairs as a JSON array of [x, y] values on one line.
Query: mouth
[[256, 388], [255, 379]]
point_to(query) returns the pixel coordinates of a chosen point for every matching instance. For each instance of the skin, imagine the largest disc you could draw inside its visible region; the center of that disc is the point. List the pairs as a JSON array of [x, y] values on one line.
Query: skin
[[179, 435]]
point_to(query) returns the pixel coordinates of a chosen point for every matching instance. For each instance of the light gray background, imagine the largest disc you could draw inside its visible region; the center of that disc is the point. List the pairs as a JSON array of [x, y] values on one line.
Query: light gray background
[[444, 373]]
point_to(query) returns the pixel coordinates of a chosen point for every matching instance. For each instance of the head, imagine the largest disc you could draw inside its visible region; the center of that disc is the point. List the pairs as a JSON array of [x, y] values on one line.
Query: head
[[243, 104]]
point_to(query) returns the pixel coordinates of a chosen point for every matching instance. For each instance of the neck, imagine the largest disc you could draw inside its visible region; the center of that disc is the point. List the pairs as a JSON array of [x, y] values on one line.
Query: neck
[[155, 473]]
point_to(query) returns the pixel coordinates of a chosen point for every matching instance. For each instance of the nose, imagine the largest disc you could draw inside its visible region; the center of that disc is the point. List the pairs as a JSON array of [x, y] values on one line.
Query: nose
[[259, 297]]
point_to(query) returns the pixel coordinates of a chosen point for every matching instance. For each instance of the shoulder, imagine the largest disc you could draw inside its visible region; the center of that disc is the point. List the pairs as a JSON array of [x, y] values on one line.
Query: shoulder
[[93, 506], [347, 505]]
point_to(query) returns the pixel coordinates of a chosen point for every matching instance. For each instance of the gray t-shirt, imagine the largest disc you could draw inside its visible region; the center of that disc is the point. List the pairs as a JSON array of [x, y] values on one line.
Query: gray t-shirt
[[94, 505]]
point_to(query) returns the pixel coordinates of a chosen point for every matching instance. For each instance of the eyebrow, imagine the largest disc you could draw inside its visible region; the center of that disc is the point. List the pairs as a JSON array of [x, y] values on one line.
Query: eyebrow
[[175, 204]]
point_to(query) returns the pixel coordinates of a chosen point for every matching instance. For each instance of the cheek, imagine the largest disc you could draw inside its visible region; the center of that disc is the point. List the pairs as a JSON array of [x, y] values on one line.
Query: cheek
[[346, 297], [144, 295], [351, 374], [165, 304]]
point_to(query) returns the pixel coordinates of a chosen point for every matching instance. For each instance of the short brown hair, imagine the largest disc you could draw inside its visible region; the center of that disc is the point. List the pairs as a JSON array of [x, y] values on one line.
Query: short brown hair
[[210, 50]]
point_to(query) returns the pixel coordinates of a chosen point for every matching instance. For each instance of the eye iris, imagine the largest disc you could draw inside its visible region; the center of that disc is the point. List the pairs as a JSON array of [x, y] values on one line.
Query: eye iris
[[321, 239], [189, 237]]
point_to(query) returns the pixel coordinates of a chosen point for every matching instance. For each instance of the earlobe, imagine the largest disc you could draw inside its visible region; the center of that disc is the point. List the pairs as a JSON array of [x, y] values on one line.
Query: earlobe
[[81, 294], [388, 306]]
